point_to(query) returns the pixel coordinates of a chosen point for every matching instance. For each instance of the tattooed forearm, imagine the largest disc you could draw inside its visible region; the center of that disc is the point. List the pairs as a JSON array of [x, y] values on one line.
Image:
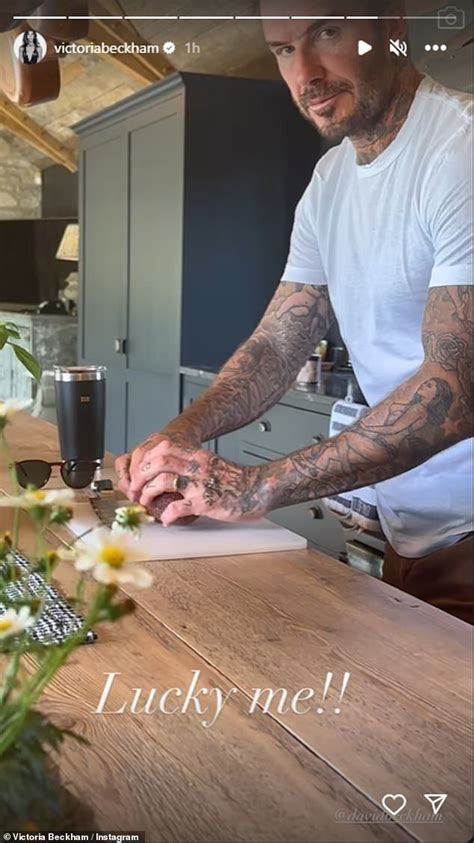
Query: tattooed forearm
[[424, 415], [448, 340], [264, 366]]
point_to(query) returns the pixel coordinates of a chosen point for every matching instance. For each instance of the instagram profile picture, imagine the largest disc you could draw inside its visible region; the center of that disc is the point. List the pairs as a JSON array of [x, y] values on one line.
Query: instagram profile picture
[[30, 47]]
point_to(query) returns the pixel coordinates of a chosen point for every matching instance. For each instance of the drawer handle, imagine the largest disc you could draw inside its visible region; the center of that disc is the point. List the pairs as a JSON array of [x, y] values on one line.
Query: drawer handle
[[316, 512], [264, 427], [318, 438], [119, 345]]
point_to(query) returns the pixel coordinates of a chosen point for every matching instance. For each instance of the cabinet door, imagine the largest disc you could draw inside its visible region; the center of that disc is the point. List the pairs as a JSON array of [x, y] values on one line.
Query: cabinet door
[[103, 222], [115, 412], [150, 405], [156, 210], [115, 408]]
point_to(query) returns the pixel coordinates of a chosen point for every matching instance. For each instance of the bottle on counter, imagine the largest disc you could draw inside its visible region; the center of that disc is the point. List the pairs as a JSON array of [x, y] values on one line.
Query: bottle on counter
[[322, 349], [311, 371]]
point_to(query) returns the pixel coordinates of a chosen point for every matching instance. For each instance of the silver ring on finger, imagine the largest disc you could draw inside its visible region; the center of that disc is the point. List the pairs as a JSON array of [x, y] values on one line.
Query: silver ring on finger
[[180, 483]]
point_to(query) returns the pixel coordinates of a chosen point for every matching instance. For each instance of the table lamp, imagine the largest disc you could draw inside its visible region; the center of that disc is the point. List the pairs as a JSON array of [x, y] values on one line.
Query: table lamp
[[69, 251]]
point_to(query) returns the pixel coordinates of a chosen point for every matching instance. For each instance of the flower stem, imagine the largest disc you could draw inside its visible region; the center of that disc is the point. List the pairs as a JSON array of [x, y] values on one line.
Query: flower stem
[[15, 486], [34, 688], [9, 677]]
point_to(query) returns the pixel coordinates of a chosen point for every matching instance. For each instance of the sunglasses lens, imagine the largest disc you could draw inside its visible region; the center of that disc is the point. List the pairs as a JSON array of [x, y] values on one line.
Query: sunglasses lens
[[32, 473], [77, 474]]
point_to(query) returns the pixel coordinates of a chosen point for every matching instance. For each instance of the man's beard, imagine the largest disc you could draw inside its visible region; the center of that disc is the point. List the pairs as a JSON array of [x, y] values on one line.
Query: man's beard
[[364, 121]]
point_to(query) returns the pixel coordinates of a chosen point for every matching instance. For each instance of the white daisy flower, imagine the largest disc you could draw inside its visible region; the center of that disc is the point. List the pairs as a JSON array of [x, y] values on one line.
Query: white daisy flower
[[34, 498], [131, 518], [14, 622], [107, 559]]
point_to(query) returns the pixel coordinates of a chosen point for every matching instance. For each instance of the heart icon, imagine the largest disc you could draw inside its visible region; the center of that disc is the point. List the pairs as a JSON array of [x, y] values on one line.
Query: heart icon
[[397, 801]]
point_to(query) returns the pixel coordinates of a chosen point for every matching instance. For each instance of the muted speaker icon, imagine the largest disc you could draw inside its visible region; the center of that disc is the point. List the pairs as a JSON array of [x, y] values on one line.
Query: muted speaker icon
[[400, 48]]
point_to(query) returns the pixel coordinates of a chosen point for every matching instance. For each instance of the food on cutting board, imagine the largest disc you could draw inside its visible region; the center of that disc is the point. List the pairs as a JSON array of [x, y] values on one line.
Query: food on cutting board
[[158, 506]]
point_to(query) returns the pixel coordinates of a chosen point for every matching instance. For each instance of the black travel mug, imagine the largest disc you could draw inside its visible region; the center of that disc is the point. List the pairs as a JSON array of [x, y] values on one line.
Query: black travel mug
[[80, 407]]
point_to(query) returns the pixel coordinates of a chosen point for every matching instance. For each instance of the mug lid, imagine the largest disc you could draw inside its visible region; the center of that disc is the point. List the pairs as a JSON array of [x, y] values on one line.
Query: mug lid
[[79, 373]]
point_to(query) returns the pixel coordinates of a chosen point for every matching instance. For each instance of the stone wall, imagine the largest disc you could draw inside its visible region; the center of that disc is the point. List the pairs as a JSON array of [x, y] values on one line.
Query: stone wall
[[20, 195]]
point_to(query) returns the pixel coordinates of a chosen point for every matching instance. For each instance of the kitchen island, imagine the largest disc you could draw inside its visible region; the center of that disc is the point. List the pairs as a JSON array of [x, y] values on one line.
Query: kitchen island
[[297, 773]]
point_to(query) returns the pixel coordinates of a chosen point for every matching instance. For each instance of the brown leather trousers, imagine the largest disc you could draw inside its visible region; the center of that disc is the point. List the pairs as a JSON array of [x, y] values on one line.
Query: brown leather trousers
[[444, 578]]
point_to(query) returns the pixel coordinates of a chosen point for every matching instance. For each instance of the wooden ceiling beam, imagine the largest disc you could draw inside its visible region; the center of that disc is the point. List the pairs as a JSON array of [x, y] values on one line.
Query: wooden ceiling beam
[[145, 67], [17, 122], [70, 72], [128, 64]]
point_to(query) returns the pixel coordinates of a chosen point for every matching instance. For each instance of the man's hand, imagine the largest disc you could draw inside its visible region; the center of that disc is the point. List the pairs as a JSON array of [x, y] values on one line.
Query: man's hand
[[209, 485], [122, 470], [128, 466], [254, 378], [128, 463]]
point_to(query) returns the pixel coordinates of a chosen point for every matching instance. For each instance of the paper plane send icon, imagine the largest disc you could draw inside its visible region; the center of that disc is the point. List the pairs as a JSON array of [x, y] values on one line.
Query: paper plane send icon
[[363, 47], [436, 800]]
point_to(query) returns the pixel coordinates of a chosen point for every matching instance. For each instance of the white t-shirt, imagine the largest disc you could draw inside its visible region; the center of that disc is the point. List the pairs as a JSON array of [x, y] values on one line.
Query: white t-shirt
[[379, 236]]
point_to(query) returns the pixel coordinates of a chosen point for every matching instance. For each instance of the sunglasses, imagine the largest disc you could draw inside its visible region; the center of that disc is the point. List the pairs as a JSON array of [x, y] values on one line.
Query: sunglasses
[[77, 474]]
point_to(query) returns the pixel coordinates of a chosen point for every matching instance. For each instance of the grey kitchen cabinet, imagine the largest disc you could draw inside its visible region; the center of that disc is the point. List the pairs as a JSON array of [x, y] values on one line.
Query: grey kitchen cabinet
[[284, 428], [310, 519], [130, 291], [187, 193], [116, 408], [103, 264], [281, 430]]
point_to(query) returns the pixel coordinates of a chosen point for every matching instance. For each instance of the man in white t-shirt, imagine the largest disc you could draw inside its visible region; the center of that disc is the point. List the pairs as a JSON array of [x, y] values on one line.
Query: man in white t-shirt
[[383, 237]]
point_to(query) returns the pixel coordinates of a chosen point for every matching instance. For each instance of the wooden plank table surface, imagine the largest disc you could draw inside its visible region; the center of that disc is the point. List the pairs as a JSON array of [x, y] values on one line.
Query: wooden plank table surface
[[277, 620]]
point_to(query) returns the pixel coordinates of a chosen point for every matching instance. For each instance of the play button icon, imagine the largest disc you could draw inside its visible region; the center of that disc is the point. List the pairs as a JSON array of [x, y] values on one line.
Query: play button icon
[[363, 48]]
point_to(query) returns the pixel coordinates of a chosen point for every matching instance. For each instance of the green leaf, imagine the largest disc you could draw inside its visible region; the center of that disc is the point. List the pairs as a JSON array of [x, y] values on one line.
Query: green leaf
[[3, 336], [12, 329], [30, 784], [27, 360]]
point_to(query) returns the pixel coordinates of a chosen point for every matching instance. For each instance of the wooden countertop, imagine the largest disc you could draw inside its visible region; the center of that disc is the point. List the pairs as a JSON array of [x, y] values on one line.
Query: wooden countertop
[[269, 621]]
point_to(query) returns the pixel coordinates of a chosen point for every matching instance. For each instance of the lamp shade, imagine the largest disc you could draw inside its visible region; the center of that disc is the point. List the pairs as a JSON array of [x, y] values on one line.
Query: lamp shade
[[69, 245]]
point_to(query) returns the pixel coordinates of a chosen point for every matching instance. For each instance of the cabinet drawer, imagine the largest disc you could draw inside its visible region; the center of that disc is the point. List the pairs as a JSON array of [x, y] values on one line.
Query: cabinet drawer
[[310, 519], [285, 429]]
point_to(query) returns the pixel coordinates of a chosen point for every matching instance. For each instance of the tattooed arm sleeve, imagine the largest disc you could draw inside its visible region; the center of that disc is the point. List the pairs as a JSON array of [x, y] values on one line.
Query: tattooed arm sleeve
[[263, 367], [424, 415]]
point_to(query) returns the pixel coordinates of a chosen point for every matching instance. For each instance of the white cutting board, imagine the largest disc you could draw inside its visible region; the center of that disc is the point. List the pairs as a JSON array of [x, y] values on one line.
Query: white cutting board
[[203, 538]]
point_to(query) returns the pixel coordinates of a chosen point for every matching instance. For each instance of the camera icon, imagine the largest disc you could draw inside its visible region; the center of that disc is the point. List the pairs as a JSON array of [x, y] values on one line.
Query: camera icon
[[451, 18]]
